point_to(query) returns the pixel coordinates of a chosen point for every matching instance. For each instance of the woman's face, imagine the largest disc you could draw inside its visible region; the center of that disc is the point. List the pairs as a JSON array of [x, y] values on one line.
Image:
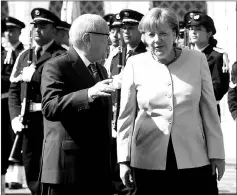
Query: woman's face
[[160, 43], [198, 35]]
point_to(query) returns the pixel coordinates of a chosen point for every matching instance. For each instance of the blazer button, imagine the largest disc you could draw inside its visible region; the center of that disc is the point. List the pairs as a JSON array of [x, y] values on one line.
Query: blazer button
[[170, 108], [169, 95], [170, 121], [169, 83]]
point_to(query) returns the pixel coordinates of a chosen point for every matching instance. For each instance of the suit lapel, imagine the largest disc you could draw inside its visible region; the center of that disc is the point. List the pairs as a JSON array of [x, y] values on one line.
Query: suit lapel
[[102, 72], [79, 66]]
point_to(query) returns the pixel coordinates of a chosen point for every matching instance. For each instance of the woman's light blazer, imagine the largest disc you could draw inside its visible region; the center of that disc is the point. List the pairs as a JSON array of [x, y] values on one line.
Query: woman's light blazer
[[158, 102]]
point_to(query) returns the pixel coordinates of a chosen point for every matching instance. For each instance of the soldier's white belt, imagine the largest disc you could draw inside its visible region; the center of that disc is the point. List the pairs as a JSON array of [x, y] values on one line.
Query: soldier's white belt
[[4, 95], [35, 107]]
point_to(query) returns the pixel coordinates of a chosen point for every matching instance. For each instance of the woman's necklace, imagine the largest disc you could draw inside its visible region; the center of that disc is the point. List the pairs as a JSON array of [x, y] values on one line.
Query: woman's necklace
[[175, 57]]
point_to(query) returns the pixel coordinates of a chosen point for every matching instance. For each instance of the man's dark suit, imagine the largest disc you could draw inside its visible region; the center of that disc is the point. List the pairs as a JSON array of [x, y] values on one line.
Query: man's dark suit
[[33, 135], [77, 134]]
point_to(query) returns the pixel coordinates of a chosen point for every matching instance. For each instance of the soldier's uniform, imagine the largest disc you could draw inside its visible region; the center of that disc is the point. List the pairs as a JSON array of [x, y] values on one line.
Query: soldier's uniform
[[8, 58], [6, 141], [33, 134], [217, 59], [232, 92]]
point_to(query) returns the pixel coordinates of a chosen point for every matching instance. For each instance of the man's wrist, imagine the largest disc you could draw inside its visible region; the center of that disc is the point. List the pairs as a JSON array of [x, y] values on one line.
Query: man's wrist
[[90, 97]]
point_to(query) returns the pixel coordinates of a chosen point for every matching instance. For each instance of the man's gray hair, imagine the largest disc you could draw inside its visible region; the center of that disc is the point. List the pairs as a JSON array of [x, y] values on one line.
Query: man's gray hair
[[83, 24]]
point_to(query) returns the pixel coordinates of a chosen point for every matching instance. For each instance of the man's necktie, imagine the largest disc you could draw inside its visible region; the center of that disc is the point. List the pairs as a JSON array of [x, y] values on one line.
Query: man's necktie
[[94, 72], [38, 53], [129, 54]]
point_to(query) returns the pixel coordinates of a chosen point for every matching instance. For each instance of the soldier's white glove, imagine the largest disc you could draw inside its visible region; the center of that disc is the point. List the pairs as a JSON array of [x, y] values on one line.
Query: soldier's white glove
[[17, 125], [27, 73], [114, 133]]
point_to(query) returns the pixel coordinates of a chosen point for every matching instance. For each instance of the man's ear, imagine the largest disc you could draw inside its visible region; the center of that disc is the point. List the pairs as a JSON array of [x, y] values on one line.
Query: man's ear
[[86, 38], [55, 30]]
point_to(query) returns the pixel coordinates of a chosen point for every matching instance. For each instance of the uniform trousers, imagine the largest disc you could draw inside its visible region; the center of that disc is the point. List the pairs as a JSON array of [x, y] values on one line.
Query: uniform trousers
[[60, 189], [7, 136], [32, 149], [173, 180]]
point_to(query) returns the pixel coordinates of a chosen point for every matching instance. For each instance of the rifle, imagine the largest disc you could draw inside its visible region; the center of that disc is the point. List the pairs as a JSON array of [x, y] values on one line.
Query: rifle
[[118, 91], [15, 154]]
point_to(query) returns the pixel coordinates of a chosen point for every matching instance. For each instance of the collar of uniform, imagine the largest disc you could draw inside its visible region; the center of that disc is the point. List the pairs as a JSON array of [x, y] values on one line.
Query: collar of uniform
[[16, 45], [12, 47], [83, 58], [44, 47], [202, 49], [129, 48]]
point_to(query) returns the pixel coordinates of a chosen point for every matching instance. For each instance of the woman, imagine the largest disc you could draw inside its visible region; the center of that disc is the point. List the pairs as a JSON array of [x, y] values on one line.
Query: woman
[[201, 31], [169, 136]]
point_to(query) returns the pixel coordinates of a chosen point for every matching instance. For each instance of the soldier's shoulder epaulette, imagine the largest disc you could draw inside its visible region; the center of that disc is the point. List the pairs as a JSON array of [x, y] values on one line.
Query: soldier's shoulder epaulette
[[218, 49], [225, 67], [13, 77]]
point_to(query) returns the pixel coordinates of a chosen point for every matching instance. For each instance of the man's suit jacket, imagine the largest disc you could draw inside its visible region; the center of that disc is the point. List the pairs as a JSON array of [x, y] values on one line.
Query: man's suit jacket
[[77, 134], [158, 102]]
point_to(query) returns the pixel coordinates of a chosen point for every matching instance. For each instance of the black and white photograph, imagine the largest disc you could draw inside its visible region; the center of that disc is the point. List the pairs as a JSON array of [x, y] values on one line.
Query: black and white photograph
[[118, 97]]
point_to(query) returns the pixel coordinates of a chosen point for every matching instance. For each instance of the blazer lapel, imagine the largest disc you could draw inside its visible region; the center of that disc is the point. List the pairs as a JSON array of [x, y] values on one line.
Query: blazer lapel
[[79, 66]]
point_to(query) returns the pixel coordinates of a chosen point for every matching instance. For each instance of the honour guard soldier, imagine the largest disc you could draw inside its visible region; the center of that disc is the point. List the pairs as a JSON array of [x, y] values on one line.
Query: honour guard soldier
[[131, 35], [6, 141], [44, 30], [107, 18], [12, 33], [116, 39], [62, 35], [201, 30], [232, 92]]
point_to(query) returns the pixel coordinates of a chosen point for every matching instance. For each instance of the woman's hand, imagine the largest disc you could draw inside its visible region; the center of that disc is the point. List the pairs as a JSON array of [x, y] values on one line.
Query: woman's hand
[[218, 164], [126, 175]]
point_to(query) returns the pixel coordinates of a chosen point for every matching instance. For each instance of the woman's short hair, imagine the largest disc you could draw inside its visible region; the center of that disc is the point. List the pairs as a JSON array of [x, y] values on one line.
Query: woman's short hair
[[150, 22], [83, 24]]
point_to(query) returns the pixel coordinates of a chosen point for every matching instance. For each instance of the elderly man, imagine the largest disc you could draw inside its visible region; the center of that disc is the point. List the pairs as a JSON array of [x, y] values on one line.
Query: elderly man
[[76, 104], [44, 29]]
